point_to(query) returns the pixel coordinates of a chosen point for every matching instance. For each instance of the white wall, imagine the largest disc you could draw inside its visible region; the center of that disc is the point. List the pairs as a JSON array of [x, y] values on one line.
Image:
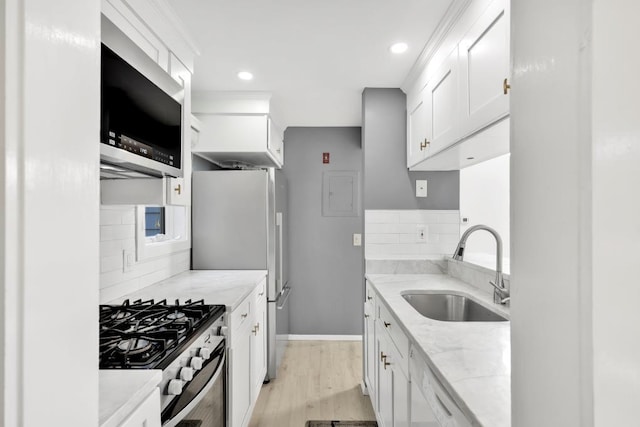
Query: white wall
[[616, 212], [484, 199], [575, 208], [394, 234], [49, 199], [118, 233], [550, 214]]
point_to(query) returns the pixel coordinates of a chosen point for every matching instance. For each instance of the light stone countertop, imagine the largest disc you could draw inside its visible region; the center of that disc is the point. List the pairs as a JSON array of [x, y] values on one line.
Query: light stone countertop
[[471, 359], [226, 287], [121, 391]]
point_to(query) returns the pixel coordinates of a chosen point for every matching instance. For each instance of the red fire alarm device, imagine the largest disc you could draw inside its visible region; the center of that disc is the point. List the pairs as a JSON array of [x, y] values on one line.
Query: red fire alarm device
[[325, 157]]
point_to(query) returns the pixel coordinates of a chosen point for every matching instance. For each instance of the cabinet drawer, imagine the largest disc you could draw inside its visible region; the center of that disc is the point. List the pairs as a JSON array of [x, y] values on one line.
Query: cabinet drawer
[[445, 410], [240, 316], [389, 324]]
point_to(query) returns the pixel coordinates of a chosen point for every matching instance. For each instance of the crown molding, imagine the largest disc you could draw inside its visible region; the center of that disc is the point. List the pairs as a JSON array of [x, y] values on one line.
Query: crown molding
[[448, 21]]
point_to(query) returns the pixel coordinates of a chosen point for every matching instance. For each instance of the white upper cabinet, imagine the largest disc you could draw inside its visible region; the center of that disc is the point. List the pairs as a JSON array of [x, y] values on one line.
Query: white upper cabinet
[[153, 27], [462, 91], [418, 135], [484, 69], [229, 139], [442, 95]]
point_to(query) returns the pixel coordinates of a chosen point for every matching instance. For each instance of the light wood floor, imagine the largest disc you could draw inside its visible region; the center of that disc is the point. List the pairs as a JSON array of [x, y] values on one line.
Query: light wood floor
[[317, 380]]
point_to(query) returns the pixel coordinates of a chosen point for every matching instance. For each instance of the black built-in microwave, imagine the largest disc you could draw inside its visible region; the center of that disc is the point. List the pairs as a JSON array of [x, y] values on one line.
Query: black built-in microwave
[[140, 122]]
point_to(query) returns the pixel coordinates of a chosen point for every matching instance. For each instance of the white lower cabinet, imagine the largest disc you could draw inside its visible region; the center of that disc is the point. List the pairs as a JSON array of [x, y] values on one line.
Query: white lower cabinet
[[430, 401], [390, 389], [404, 391], [247, 356], [147, 414]]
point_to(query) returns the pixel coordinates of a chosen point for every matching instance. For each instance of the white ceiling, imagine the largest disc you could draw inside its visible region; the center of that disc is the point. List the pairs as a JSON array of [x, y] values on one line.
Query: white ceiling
[[314, 56]]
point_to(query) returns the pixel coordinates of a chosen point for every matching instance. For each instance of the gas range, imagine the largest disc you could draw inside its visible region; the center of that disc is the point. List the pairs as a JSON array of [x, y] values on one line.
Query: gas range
[[184, 340]]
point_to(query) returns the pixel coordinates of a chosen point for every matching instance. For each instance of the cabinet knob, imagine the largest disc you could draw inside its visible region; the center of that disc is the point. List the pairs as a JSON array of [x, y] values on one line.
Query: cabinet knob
[[386, 324], [386, 363], [382, 356], [366, 316], [506, 86], [254, 331], [244, 315], [178, 189], [424, 145], [369, 298]]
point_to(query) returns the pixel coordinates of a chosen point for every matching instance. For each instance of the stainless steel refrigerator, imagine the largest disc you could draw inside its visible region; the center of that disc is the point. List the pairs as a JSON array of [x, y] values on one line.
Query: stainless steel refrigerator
[[239, 222]]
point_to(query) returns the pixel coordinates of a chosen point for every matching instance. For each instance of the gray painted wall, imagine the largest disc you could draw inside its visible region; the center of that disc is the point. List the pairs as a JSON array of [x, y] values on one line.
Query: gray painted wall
[[325, 269], [388, 184]]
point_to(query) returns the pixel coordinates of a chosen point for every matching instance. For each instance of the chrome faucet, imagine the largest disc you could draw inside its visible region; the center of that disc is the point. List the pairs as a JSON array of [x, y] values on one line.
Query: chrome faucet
[[500, 292]]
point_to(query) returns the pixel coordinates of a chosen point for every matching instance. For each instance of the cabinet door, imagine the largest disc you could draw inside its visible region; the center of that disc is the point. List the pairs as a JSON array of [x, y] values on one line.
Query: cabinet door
[[177, 194], [418, 131], [258, 345], [442, 95], [240, 381], [385, 381], [421, 414], [232, 133], [370, 351], [484, 65], [147, 414], [275, 142]]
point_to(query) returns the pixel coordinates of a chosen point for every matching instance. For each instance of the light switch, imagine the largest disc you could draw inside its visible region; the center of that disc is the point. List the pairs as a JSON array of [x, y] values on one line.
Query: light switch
[[421, 188], [357, 239]]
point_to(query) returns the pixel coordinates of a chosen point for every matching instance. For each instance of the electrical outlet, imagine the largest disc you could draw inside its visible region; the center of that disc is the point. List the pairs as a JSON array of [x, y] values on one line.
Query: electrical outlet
[[421, 234], [357, 239], [128, 259]]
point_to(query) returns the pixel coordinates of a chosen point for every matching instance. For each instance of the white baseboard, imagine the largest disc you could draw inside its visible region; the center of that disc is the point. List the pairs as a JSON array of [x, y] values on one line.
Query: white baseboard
[[320, 337]]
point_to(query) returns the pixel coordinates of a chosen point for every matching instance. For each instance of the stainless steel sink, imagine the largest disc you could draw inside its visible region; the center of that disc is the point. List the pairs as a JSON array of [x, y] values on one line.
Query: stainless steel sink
[[451, 308]]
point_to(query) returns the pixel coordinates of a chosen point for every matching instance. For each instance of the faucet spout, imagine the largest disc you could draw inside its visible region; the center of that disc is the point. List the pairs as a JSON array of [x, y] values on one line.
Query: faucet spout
[[501, 293]]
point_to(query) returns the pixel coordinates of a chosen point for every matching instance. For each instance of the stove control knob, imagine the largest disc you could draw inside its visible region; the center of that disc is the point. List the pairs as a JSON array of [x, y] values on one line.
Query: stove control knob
[[175, 387], [196, 363], [186, 374], [205, 353]]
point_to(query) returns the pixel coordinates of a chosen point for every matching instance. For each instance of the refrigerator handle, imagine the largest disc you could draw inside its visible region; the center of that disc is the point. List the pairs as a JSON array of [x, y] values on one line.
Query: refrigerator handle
[[282, 299], [279, 284]]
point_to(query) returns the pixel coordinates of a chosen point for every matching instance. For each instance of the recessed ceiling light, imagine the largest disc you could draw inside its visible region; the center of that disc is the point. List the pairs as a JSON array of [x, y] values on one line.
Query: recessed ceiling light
[[399, 48], [245, 75]]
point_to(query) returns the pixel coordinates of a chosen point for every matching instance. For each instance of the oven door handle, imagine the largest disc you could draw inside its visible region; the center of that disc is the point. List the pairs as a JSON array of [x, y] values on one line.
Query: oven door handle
[[183, 413]]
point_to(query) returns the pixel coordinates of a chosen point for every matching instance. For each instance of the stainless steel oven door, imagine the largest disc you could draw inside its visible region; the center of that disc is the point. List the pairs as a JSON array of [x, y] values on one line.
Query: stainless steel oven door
[[203, 398]]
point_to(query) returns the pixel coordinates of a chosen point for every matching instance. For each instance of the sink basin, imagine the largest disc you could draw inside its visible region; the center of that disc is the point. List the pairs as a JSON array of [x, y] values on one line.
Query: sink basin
[[451, 308]]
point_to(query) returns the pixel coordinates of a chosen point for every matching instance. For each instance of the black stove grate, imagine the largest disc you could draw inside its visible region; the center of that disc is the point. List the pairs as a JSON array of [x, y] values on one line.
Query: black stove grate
[[143, 334]]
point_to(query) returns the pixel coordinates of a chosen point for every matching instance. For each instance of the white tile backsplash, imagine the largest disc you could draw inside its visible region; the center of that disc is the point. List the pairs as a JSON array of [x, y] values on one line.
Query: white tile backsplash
[[118, 233], [393, 234]]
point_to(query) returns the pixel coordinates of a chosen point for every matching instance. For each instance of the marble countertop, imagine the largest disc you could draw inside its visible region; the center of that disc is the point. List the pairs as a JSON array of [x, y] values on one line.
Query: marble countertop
[[227, 287], [121, 391], [471, 359]]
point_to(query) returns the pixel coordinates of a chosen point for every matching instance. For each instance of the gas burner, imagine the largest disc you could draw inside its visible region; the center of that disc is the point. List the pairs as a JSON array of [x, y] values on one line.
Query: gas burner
[[176, 315], [119, 315], [134, 346]]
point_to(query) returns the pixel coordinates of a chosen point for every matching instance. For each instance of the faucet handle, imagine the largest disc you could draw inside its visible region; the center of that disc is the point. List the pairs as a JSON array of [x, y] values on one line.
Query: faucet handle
[[500, 289]]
